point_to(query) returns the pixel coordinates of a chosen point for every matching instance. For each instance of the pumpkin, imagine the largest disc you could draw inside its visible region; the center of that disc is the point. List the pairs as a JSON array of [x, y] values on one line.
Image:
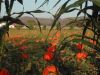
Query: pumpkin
[[50, 70], [92, 41], [81, 55], [48, 56], [4, 72]]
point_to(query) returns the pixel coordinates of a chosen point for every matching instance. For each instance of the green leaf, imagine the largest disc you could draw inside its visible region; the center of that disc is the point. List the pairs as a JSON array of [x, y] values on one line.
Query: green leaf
[[7, 6], [71, 10], [86, 28], [46, 1], [20, 1], [19, 14], [77, 3], [11, 4], [0, 4], [37, 21], [35, 1], [84, 11], [64, 5], [38, 11], [64, 9], [57, 3], [58, 15], [97, 2], [18, 21]]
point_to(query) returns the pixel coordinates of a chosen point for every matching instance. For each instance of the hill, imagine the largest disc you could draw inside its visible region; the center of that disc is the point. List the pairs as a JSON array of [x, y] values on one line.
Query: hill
[[49, 21]]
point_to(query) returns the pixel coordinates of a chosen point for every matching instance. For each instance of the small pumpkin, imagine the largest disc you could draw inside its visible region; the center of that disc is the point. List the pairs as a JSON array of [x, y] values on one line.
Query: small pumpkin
[[48, 56], [50, 70], [92, 41], [81, 55]]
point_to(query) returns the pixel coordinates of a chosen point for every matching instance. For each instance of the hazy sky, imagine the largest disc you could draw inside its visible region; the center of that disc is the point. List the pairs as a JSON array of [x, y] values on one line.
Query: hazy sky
[[30, 5]]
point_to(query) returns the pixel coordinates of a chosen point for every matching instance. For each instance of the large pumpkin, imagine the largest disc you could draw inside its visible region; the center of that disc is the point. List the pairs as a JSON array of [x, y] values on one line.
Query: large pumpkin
[[50, 70], [4, 71]]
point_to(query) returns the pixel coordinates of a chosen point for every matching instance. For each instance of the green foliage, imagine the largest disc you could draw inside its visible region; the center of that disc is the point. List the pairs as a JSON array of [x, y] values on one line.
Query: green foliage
[[16, 63], [68, 51], [91, 21], [9, 19], [65, 57]]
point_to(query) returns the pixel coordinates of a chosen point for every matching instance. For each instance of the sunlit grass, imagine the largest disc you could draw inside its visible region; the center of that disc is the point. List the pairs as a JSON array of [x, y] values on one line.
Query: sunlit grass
[[26, 33]]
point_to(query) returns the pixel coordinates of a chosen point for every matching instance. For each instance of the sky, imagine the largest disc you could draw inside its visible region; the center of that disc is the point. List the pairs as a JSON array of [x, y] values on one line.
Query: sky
[[29, 5]]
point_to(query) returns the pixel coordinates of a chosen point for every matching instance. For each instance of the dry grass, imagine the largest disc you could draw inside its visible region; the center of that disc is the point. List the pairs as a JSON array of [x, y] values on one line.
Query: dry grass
[[37, 34]]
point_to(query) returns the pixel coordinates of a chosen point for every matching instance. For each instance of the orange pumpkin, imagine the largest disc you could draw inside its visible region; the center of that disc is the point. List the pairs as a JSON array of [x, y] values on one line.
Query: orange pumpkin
[[48, 56], [25, 56], [92, 41], [81, 55], [4, 72], [50, 69]]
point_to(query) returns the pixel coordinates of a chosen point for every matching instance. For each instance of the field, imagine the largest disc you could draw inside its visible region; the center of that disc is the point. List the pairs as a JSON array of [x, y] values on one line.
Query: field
[[36, 33], [29, 51]]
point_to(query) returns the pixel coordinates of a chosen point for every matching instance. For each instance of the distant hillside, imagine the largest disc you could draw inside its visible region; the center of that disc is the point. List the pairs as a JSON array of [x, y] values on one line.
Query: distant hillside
[[49, 21], [43, 21]]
